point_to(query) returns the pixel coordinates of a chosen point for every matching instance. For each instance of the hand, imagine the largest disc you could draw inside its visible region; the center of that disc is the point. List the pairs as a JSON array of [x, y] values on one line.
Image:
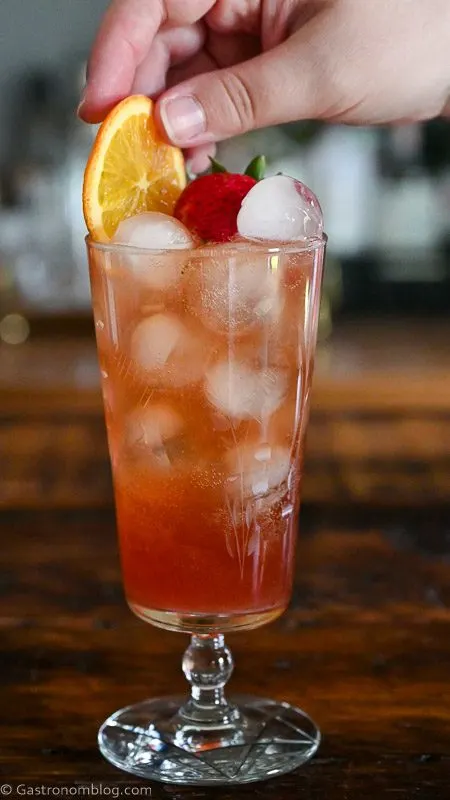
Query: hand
[[220, 68]]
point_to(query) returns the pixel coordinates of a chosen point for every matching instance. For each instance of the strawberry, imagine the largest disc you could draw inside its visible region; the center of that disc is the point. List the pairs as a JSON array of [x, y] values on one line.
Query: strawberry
[[209, 205]]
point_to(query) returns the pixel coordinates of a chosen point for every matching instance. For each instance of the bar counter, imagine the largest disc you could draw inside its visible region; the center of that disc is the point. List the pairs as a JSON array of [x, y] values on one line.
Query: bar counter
[[364, 649], [365, 645]]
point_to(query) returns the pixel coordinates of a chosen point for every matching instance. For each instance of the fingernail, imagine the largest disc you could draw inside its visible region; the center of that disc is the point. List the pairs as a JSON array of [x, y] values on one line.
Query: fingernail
[[191, 173], [183, 118]]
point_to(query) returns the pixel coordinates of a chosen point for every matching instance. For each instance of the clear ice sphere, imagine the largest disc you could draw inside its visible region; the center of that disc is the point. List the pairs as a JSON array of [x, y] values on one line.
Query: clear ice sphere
[[167, 352], [257, 469], [240, 392], [159, 269], [280, 208], [150, 427], [156, 433]]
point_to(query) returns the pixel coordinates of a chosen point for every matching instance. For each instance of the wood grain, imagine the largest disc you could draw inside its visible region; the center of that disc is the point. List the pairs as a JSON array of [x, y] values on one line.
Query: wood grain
[[364, 648], [379, 429], [367, 365]]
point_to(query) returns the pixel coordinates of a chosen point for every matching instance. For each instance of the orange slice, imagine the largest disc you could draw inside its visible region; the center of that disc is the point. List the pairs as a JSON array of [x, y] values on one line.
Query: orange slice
[[130, 169]]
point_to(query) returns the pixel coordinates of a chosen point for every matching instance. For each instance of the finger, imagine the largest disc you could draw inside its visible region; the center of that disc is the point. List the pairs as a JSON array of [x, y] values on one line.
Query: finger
[[198, 158], [174, 45], [125, 36], [124, 39], [281, 85], [150, 77], [230, 49], [201, 63], [233, 16], [222, 51]]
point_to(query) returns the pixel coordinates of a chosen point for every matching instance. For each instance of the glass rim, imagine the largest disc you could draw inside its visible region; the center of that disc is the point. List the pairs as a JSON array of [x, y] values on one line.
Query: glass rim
[[255, 245]]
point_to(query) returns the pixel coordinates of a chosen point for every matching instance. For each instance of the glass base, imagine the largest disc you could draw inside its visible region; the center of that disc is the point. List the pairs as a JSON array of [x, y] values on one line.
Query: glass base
[[206, 623], [262, 739]]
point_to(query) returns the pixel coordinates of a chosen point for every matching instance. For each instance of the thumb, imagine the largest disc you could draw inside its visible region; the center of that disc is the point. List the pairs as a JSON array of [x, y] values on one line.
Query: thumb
[[272, 88]]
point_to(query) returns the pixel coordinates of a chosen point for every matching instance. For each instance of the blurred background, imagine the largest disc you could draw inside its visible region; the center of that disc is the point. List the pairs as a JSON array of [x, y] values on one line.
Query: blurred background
[[380, 431]]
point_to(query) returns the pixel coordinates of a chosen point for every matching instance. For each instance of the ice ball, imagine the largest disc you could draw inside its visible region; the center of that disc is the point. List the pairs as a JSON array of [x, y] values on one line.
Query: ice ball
[[160, 234], [241, 392], [280, 208]]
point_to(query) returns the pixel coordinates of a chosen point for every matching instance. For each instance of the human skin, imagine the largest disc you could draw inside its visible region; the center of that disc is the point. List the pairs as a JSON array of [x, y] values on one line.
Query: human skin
[[219, 69]]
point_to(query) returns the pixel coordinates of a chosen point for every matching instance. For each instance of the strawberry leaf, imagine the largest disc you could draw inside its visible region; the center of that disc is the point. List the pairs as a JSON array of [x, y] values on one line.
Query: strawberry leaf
[[216, 166], [257, 168]]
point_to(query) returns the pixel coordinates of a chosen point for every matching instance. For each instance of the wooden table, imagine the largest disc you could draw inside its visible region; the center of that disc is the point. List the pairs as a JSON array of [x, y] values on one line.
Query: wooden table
[[379, 431], [365, 649]]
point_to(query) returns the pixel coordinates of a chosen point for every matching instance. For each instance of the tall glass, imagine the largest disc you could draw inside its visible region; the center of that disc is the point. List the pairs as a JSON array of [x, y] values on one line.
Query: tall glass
[[206, 359]]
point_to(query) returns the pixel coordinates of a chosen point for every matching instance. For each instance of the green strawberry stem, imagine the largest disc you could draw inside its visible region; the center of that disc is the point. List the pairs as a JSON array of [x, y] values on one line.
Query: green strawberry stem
[[257, 168], [216, 166]]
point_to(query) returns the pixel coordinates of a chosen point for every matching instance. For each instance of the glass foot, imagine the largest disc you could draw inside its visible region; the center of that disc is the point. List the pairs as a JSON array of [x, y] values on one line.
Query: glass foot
[[261, 739]]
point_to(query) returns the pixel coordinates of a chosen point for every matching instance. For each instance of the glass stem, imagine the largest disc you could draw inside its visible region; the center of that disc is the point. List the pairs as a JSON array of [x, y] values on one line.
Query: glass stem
[[207, 665]]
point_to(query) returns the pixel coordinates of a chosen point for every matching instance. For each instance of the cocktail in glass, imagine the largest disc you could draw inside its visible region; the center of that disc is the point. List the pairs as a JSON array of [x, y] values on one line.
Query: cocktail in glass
[[206, 358]]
